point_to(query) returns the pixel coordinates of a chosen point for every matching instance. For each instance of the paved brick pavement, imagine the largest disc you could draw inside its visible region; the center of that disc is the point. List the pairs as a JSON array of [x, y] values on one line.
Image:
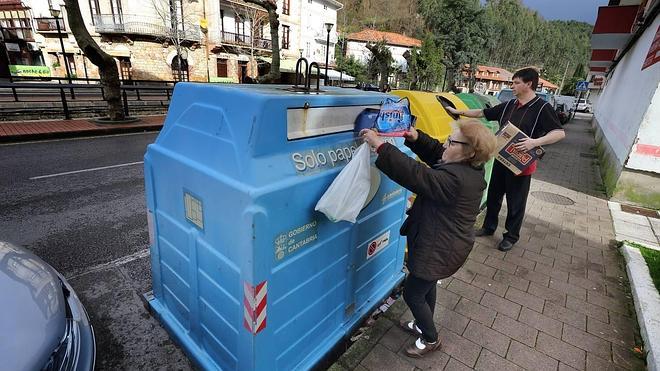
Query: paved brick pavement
[[12, 131], [559, 300]]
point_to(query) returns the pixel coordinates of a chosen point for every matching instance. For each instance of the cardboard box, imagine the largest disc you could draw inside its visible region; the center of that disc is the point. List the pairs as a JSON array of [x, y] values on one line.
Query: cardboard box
[[508, 155]]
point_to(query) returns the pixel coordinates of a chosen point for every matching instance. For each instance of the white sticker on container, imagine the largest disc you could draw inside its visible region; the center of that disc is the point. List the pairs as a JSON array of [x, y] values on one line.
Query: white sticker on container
[[194, 210], [150, 225], [378, 244]]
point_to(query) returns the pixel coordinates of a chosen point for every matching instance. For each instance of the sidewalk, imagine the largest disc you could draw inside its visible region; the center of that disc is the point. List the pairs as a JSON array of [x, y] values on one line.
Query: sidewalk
[[19, 131], [559, 300]]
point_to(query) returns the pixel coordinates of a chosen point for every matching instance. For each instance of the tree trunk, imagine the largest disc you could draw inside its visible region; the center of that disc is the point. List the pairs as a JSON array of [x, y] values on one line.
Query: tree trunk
[[384, 76], [271, 6], [106, 64]]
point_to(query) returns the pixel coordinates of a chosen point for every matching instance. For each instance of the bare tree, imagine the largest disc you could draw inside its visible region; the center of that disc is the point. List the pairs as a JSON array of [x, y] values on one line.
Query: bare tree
[[178, 28], [108, 71], [273, 19], [256, 18]]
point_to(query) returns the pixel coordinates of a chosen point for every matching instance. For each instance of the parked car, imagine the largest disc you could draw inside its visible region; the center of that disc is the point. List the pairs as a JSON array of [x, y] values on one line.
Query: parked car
[[367, 87], [583, 105], [44, 325], [565, 114], [506, 95]]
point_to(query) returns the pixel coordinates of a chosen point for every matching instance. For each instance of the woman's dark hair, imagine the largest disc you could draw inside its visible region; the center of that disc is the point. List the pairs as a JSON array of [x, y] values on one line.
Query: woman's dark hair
[[528, 74]]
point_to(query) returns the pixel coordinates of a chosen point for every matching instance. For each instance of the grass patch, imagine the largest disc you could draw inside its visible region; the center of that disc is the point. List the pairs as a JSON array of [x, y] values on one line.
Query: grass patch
[[652, 258]]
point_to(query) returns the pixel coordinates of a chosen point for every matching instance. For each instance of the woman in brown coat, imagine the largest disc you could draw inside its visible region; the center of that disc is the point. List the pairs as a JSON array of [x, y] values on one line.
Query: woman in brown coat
[[439, 227]]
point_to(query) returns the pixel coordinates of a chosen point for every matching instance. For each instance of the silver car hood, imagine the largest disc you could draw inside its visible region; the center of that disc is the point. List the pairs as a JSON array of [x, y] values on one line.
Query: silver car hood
[[32, 309]]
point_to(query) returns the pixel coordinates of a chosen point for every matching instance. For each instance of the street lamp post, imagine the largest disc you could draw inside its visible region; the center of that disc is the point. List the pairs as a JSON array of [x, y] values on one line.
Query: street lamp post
[[56, 13], [328, 27]]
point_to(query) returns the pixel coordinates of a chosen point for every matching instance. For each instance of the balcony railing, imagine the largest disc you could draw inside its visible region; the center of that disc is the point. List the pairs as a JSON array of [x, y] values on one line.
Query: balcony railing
[[49, 25], [244, 40], [133, 24], [17, 34]]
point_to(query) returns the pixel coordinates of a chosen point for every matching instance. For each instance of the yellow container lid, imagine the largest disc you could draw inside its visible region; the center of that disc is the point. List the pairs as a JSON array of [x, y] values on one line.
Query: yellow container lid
[[432, 118]]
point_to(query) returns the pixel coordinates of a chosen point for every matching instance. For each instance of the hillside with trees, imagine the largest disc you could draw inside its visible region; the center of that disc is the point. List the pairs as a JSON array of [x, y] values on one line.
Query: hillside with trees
[[501, 33]]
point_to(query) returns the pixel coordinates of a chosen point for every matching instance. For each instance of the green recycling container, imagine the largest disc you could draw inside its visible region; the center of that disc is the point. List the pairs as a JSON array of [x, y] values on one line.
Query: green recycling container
[[478, 101]]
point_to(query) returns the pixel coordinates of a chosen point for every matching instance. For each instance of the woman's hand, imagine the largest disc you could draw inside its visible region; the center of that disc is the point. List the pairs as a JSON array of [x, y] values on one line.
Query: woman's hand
[[526, 144], [371, 138], [452, 110], [411, 135]]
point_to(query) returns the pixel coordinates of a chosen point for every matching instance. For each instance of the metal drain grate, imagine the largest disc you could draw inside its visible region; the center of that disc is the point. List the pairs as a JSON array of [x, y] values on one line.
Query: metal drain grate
[[588, 155], [640, 211], [552, 198]]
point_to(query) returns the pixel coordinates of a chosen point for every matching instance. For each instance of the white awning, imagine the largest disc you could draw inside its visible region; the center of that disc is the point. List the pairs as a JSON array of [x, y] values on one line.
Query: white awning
[[336, 75]]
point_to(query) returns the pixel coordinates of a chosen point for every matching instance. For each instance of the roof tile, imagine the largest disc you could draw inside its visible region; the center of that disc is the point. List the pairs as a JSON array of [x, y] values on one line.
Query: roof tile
[[390, 38]]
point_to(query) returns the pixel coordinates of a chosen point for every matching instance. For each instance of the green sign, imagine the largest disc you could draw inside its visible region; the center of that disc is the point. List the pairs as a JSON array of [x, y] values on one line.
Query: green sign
[[36, 71]]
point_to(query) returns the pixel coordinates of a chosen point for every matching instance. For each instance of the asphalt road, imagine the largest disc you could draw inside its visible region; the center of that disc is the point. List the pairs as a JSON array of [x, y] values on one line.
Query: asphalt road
[[79, 204]]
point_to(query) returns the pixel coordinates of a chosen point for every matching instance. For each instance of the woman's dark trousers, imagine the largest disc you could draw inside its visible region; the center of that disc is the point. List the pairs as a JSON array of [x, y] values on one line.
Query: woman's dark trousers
[[420, 294]]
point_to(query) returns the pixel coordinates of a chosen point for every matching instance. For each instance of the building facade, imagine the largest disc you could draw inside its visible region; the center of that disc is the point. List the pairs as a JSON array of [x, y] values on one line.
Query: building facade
[[490, 80], [356, 47], [625, 89], [18, 49], [208, 40]]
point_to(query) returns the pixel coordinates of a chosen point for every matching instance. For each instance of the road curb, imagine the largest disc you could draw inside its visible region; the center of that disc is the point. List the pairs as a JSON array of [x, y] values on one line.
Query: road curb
[[647, 304], [79, 133]]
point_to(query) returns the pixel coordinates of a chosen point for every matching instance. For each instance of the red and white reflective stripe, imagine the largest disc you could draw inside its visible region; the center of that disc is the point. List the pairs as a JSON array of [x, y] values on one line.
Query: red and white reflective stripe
[[254, 306]]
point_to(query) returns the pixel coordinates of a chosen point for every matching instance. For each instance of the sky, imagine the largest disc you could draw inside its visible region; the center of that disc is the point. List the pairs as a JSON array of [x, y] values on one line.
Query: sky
[[579, 10]]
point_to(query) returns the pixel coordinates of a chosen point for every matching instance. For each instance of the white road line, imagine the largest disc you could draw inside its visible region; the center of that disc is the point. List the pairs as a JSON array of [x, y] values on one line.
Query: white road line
[[111, 264], [86, 170]]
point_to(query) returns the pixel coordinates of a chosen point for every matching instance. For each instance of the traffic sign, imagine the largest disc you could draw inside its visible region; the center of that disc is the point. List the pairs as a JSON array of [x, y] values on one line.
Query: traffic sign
[[582, 86]]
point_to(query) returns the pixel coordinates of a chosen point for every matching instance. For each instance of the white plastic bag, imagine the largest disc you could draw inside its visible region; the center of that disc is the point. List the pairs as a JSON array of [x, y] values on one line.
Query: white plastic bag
[[346, 195]]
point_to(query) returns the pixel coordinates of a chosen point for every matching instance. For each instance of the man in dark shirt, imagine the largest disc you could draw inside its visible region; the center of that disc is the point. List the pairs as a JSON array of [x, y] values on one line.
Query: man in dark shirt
[[536, 118]]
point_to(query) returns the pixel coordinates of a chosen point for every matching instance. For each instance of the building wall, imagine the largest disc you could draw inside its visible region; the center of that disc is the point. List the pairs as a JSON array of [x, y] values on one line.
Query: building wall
[[151, 57], [625, 105], [312, 37], [645, 153], [358, 50]]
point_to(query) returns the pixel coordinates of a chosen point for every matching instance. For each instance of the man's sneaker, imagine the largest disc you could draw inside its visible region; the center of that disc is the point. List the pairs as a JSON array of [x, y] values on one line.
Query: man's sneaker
[[411, 327], [483, 232], [421, 347], [505, 245]]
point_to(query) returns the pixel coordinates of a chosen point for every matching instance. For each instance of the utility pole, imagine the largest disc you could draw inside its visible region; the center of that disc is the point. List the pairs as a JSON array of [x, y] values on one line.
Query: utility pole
[[561, 86]]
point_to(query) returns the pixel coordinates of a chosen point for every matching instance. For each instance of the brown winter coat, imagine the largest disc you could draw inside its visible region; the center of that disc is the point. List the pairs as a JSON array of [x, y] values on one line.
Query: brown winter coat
[[439, 227]]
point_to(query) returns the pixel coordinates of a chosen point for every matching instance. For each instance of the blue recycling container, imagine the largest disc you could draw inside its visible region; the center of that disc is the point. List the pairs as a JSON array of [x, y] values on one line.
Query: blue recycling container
[[246, 275]]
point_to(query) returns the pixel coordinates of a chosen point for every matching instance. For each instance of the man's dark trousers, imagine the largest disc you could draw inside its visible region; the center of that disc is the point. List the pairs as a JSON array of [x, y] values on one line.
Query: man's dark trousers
[[516, 188]]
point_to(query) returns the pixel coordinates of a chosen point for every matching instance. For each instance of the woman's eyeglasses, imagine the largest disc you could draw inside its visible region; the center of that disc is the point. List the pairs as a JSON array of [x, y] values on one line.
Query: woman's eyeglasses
[[450, 141]]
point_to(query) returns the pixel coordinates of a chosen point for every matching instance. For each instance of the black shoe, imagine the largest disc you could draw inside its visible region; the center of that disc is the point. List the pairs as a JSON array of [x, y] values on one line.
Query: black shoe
[[483, 232], [505, 245]]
